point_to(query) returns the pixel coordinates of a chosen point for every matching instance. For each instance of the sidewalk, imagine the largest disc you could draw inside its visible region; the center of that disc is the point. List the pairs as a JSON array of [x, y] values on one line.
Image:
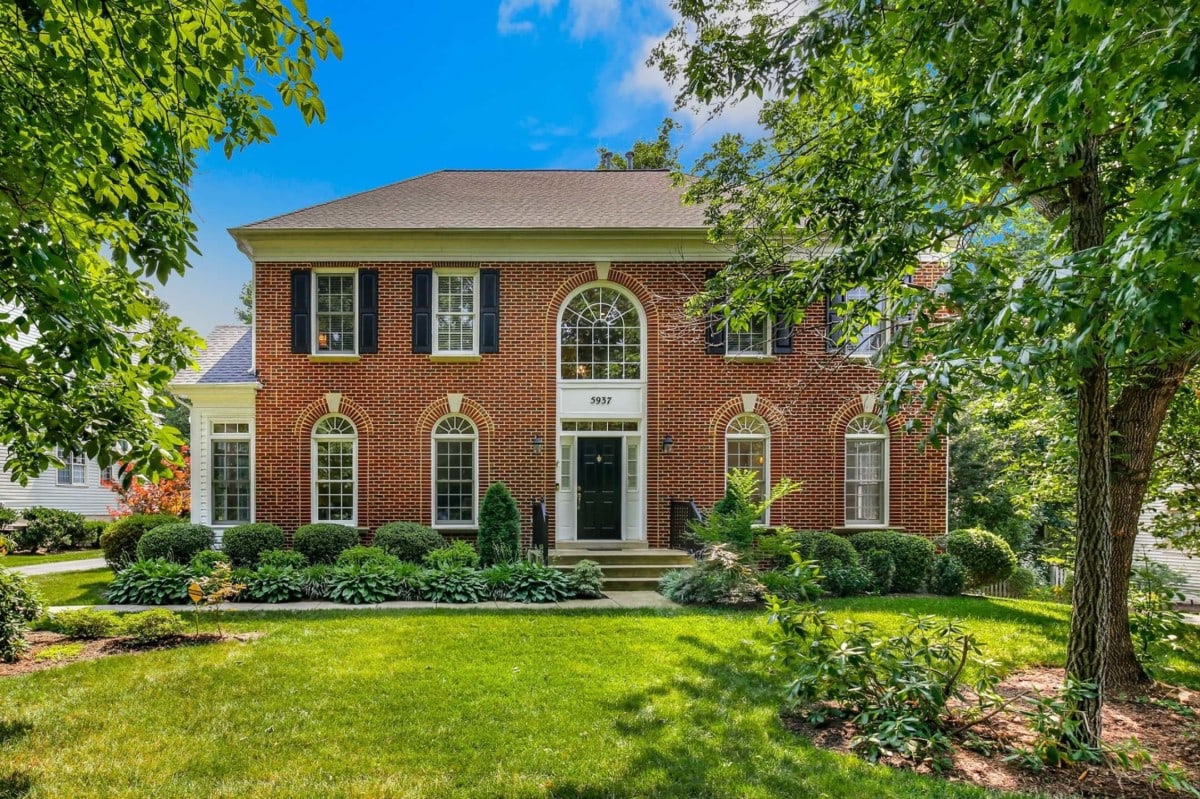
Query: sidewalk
[[62, 566], [614, 601]]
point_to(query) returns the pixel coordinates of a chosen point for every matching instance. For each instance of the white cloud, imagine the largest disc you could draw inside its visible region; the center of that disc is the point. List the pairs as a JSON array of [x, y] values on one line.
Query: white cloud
[[507, 22], [592, 17]]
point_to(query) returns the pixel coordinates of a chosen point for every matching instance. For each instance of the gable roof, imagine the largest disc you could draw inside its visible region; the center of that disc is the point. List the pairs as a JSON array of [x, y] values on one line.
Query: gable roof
[[505, 200], [228, 358]]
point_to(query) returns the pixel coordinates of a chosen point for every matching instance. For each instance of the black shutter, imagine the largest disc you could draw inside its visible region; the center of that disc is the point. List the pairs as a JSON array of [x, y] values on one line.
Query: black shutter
[[782, 344], [301, 311], [832, 321], [489, 310], [422, 317], [714, 337], [368, 311]]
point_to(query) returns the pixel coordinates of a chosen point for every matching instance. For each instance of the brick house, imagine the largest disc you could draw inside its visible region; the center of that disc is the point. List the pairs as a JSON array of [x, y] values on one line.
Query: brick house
[[415, 343]]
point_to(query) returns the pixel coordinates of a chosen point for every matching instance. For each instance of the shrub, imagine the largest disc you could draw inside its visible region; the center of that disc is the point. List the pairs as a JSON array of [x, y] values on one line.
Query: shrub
[[497, 579], [8, 517], [177, 542], [322, 543], [50, 528], [1154, 624], [458, 553], [499, 526], [153, 626], [882, 566], [121, 538], [282, 557], [533, 582], [150, 582], [19, 606], [360, 555], [363, 583], [846, 580], [801, 583], [205, 560], [586, 580], [91, 535], [827, 549], [453, 584], [7, 545], [719, 578], [87, 623], [733, 520], [913, 555], [948, 576], [1022, 582], [314, 581], [408, 541], [245, 543], [987, 557], [272, 584]]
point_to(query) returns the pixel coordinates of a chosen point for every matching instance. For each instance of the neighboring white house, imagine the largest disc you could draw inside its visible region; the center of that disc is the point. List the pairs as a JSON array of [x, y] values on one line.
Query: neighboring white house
[[80, 487], [1146, 545]]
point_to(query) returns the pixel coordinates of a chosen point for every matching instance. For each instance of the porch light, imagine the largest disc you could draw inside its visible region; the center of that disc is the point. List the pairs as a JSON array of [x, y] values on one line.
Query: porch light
[[668, 444], [537, 445]]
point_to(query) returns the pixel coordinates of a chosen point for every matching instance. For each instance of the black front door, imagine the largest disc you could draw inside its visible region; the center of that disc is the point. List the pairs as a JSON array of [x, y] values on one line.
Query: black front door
[[599, 488]]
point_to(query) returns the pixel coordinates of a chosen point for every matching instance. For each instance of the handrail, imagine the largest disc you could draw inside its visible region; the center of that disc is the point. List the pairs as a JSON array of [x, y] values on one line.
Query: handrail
[[541, 529]]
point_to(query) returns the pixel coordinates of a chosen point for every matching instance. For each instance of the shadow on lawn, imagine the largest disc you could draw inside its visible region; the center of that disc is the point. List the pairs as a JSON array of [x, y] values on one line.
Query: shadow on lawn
[[14, 784]]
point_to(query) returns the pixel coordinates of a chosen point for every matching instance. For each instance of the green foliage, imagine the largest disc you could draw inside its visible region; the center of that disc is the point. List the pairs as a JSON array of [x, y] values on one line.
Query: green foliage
[[364, 582], [1022, 582], [799, 583], [1153, 621], [586, 580], [153, 626], [245, 543], [120, 539], [50, 529], [882, 567], [91, 535], [499, 526], [314, 581], [8, 517], [647, 154], [244, 312], [408, 541], [204, 561], [178, 542], [497, 579], [948, 577], [271, 583], [904, 693], [457, 553], [987, 557], [88, 624], [19, 606], [322, 543], [733, 519], [282, 557], [533, 582], [846, 579], [453, 584], [361, 555], [1060, 736], [150, 582], [913, 555], [719, 578], [827, 549]]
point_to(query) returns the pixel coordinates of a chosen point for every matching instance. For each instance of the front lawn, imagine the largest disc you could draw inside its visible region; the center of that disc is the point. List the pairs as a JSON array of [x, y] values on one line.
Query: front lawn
[[462, 703], [73, 588], [56, 557]]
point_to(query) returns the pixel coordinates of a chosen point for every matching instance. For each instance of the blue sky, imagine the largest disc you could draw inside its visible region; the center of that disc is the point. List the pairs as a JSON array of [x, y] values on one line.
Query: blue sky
[[497, 84]]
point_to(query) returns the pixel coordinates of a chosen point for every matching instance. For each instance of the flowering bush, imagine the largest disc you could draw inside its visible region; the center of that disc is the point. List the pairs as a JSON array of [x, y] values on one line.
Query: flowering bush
[[171, 495]]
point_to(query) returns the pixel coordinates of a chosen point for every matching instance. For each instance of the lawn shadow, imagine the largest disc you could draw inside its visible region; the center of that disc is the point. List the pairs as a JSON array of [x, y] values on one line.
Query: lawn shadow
[[15, 784], [12, 730]]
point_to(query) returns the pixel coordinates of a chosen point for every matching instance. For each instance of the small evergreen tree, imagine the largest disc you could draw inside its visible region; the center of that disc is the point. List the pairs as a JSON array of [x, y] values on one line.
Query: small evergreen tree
[[499, 526]]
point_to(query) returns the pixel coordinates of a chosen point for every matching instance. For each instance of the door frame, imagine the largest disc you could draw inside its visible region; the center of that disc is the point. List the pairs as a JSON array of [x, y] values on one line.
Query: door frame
[[633, 514], [619, 488]]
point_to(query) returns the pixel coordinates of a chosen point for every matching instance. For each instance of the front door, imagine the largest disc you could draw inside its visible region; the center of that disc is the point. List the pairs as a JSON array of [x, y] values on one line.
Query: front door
[[599, 488]]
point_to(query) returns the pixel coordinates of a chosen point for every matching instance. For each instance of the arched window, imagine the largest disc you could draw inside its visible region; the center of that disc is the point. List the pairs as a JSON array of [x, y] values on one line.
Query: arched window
[[335, 470], [866, 471], [747, 447], [455, 450], [601, 336]]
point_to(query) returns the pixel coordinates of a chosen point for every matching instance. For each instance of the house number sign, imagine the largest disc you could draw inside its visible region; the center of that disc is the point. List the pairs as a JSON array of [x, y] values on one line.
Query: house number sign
[[602, 399]]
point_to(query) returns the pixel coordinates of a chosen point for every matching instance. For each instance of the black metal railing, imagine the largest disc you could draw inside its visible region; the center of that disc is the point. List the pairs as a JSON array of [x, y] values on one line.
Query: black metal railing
[[541, 529], [683, 513]]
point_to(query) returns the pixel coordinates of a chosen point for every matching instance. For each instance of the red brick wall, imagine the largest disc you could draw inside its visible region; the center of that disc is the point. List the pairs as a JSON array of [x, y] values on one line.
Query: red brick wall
[[395, 397]]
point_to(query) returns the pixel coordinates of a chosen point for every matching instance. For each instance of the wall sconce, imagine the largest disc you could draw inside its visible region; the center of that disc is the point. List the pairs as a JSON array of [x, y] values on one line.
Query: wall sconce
[[668, 444], [537, 445]]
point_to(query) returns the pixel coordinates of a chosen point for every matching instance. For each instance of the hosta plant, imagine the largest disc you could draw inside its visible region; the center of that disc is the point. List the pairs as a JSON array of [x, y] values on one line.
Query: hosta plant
[[151, 582], [453, 584], [274, 584], [363, 583], [498, 578], [533, 582], [314, 581]]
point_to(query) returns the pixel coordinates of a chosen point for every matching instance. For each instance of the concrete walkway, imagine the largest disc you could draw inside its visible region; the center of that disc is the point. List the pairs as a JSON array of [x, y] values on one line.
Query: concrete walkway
[[614, 601], [61, 566]]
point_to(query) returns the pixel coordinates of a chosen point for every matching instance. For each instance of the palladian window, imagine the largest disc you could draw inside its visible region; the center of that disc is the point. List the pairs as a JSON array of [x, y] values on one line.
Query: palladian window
[[601, 336]]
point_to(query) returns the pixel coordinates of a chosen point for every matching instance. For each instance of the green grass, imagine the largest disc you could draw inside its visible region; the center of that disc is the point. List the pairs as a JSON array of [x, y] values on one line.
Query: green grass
[[73, 588], [57, 557], [462, 704]]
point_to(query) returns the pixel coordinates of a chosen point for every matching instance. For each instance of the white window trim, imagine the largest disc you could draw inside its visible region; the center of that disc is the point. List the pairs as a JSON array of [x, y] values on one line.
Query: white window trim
[[312, 468], [642, 354], [438, 274], [208, 455], [766, 439], [886, 438], [70, 461], [316, 332], [433, 444], [768, 341]]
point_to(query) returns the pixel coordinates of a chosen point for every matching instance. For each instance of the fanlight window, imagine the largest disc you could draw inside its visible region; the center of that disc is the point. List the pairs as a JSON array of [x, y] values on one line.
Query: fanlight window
[[866, 471], [601, 336], [335, 450], [746, 439], [454, 477]]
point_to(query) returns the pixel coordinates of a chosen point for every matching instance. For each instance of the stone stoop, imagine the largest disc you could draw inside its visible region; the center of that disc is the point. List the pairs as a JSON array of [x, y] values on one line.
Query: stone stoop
[[625, 569]]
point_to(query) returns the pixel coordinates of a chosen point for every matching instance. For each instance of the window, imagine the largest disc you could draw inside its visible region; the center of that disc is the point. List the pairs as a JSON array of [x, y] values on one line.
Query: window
[[866, 471], [746, 447], [456, 302], [631, 464], [230, 468], [601, 336], [861, 344], [564, 466], [335, 452], [74, 469], [335, 313], [754, 341], [454, 493], [108, 475]]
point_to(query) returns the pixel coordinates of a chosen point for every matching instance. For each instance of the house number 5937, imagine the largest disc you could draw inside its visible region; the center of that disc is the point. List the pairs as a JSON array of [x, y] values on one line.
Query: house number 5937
[[601, 400]]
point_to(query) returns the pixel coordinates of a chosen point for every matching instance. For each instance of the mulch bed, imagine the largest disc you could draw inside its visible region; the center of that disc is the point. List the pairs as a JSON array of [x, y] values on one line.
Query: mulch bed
[[1166, 721], [103, 647]]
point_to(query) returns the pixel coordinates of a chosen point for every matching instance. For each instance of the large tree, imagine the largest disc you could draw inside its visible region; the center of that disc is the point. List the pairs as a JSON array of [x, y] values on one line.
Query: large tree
[[106, 108], [657, 153], [900, 129]]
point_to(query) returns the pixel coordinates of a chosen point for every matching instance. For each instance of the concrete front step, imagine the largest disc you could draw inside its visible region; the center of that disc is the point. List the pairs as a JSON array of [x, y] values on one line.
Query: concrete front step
[[644, 571], [628, 569]]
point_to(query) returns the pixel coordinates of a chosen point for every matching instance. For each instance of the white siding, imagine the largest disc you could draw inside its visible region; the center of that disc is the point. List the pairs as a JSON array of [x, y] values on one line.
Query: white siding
[[1151, 547], [91, 499], [209, 408]]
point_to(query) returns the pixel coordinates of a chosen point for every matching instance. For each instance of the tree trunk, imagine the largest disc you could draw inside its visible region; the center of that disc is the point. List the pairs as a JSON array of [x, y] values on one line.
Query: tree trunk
[[1087, 645], [1137, 420]]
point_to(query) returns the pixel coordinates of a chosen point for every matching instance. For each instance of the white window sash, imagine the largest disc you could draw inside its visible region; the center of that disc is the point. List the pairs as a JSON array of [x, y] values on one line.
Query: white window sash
[[318, 315], [441, 276]]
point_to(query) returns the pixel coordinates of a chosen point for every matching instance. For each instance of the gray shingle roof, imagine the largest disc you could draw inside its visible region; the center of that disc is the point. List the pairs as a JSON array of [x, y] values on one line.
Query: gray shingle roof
[[519, 199], [228, 358]]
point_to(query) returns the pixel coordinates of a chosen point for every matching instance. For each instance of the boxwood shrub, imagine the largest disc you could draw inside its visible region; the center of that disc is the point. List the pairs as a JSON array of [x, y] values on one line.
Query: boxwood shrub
[[408, 541], [987, 557], [153, 626], [50, 528], [948, 577], [246, 542], [282, 557], [912, 554], [91, 535], [827, 549], [120, 539], [359, 555], [178, 543], [322, 543], [87, 623]]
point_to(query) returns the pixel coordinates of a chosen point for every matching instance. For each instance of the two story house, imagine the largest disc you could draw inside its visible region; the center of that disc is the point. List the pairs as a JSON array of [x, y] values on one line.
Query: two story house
[[413, 344]]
